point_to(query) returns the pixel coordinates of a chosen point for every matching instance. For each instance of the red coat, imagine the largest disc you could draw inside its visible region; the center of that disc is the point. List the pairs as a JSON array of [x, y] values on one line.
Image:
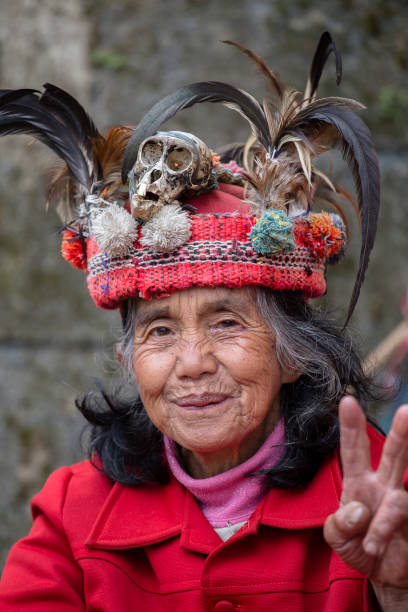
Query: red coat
[[100, 547]]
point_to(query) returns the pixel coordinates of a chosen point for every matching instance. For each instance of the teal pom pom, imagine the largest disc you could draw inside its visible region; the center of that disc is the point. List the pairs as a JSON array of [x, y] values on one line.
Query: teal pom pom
[[273, 233]]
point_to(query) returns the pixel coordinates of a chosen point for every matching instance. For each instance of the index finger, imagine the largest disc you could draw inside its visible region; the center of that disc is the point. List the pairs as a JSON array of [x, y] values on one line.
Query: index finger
[[394, 458], [354, 442]]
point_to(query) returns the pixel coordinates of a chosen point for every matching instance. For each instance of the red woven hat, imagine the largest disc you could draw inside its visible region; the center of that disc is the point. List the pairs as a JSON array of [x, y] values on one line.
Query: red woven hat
[[219, 252], [147, 212]]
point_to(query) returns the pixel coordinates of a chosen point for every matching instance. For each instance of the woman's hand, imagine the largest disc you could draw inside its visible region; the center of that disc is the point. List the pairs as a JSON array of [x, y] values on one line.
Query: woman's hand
[[370, 529]]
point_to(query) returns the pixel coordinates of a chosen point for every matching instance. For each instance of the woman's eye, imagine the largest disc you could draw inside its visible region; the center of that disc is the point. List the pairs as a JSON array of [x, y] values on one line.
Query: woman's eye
[[228, 323], [160, 331]]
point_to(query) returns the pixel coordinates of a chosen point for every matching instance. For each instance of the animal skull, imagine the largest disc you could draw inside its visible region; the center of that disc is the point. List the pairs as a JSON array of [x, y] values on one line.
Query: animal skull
[[168, 164]]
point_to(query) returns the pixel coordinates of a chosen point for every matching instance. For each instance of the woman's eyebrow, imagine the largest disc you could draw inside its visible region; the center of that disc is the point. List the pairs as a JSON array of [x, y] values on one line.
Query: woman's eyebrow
[[233, 303], [143, 317]]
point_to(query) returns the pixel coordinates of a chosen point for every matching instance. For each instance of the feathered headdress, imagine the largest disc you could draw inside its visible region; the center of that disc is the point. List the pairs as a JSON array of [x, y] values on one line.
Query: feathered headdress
[[123, 246], [289, 131]]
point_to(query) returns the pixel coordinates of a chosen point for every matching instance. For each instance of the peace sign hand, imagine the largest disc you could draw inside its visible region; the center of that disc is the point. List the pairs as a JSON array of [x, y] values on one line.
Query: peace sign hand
[[370, 529]]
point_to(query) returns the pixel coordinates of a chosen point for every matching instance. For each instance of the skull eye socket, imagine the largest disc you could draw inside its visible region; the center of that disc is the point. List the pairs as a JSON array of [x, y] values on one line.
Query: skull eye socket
[[151, 152], [178, 159]]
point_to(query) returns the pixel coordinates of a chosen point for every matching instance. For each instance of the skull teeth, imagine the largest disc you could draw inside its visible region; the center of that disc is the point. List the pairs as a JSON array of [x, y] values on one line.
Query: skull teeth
[[144, 208]]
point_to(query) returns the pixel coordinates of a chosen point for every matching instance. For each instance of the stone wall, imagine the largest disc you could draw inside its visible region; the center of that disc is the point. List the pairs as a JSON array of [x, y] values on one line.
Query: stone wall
[[117, 59]]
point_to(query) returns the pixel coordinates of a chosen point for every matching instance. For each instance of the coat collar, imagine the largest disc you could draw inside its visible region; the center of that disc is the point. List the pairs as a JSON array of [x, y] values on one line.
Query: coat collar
[[309, 507], [135, 517]]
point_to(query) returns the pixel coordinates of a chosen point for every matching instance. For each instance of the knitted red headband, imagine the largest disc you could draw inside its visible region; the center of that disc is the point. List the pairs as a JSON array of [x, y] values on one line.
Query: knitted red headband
[[219, 252]]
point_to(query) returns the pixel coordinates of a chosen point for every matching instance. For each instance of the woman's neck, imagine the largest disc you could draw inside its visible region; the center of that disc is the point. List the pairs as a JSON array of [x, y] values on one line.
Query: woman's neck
[[232, 496], [205, 465]]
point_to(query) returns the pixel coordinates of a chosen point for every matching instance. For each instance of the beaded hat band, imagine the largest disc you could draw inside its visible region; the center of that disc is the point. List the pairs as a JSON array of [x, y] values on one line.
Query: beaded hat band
[[219, 252]]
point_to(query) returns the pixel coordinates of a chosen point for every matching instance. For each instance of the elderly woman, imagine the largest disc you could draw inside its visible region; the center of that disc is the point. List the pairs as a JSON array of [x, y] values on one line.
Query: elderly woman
[[240, 477]]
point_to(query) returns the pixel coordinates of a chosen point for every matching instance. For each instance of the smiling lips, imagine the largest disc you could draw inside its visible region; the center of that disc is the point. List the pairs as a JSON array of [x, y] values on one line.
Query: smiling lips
[[202, 400]]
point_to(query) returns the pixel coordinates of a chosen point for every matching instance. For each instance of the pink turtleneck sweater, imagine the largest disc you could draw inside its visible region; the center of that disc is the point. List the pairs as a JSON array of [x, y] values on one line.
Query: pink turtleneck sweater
[[228, 499]]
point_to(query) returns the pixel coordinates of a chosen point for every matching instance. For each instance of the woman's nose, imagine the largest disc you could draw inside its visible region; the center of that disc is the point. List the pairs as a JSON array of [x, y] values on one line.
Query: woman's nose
[[195, 358]]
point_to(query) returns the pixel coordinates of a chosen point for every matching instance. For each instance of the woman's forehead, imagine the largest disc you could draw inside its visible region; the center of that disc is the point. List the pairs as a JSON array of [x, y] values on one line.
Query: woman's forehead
[[201, 299]]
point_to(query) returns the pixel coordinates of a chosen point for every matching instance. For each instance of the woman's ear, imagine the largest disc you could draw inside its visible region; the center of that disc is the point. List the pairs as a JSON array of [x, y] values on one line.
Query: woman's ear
[[118, 352]]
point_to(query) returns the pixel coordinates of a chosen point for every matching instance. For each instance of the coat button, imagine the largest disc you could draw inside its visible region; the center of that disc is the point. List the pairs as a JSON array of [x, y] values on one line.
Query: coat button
[[224, 606]]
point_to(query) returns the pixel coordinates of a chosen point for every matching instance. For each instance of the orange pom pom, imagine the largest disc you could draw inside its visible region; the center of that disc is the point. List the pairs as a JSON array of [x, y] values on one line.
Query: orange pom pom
[[216, 160], [320, 235]]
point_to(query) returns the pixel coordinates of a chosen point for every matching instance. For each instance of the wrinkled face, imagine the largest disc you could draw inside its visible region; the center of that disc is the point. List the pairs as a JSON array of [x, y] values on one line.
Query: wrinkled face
[[169, 163], [207, 372]]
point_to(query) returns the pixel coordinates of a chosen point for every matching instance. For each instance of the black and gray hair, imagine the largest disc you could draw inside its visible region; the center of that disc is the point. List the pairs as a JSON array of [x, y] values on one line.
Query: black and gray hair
[[131, 448]]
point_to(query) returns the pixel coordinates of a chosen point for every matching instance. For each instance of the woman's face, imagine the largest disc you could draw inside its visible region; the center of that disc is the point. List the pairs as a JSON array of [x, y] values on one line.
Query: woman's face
[[206, 368]]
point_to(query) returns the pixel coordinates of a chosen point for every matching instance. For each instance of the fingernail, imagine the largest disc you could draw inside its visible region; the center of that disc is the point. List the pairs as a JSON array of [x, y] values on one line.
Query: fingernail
[[354, 515]]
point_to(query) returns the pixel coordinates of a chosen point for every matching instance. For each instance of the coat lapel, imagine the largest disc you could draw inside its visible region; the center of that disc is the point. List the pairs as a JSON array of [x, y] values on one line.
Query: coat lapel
[[139, 516]]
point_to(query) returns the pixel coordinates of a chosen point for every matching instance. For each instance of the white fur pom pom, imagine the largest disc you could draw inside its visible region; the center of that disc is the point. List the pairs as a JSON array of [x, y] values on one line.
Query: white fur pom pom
[[167, 230], [114, 229]]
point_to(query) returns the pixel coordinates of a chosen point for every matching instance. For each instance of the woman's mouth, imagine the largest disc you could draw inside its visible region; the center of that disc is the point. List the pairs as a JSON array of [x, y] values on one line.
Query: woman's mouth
[[202, 400]]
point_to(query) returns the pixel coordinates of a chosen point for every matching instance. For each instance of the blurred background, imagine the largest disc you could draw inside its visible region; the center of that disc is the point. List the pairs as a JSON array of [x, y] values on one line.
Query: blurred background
[[118, 58]]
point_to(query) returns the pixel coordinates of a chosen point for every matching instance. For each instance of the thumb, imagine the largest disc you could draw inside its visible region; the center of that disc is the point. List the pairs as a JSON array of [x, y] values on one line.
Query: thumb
[[343, 526]]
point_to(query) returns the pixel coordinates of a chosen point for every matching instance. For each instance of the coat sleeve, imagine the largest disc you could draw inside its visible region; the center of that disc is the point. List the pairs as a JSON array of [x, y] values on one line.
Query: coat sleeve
[[41, 573]]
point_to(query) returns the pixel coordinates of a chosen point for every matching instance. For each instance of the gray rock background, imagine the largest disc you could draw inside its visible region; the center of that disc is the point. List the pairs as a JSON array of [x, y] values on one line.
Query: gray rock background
[[117, 59]]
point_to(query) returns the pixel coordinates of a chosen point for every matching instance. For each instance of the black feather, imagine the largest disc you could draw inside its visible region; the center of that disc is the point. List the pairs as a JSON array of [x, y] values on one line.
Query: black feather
[[207, 91], [66, 105], [324, 48], [67, 109], [55, 124], [11, 95], [359, 152], [17, 119]]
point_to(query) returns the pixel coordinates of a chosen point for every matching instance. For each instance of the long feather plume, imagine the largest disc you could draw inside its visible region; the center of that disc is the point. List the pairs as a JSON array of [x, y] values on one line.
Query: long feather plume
[[23, 113], [358, 150], [59, 121], [271, 77], [324, 47], [207, 91], [108, 152], [309, 127], [67, 110], [11, 95]]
